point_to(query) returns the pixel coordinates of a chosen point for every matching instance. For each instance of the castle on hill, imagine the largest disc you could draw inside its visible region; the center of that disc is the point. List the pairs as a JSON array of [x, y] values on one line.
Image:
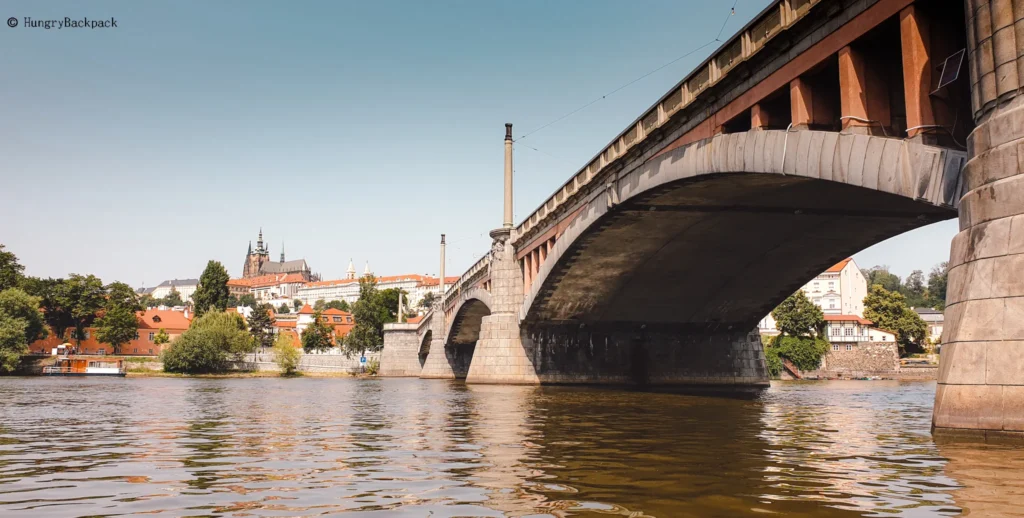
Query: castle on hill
[[258, 263]]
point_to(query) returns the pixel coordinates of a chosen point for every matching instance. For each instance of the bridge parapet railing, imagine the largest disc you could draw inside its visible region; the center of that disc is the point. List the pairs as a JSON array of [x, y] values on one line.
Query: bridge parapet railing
[[475, 272], [768, 24]]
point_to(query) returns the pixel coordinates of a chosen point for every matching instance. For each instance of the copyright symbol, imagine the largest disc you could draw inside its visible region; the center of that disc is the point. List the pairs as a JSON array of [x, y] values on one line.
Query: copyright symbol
[[12, 22]]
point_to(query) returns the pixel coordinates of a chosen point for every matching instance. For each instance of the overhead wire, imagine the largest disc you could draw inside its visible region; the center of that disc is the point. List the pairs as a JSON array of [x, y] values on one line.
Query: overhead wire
[[732, 11]]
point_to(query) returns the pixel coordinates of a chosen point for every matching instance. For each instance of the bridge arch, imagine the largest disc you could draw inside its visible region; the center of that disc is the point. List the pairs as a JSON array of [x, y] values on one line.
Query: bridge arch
[[463, 328], [648, 246]]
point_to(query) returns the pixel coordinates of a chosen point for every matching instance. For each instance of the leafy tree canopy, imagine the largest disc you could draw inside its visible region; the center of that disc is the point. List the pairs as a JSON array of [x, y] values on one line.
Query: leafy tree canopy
[[340, 305], [297, 304], [21, 323], [284, 309], [10, 270], [119, 323], [317, 335], [880, 275], [937, 282], [798, 316], [370, 313], [286, 356], [161, 337], [212, 293], [428, 300], [85, 296], [209, 344], [261, 325], [889, 311], [248, 300]]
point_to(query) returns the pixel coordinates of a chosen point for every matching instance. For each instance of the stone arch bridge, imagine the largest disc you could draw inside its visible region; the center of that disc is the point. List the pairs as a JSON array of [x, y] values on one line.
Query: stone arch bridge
[[822, 127]]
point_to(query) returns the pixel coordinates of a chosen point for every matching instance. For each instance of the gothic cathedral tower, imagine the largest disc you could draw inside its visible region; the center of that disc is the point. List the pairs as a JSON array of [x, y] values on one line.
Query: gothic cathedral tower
[[254, 259]]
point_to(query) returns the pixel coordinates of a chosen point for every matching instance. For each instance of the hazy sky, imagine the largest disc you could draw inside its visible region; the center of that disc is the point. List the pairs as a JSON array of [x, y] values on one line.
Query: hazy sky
[[346, 130]]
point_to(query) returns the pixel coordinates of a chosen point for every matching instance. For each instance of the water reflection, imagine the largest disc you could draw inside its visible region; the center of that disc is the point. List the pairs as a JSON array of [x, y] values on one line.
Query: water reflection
[[172, 447]]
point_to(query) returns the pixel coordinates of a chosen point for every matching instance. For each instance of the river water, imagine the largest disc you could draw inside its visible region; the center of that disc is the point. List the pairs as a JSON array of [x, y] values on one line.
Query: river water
[[407, 447]]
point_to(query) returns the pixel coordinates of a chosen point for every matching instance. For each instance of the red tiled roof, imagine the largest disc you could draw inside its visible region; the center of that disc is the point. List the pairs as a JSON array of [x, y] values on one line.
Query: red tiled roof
[[838, 267], [268, 280], [168, 319], [341, 330], [432, 281], [421, 280], [414, 320], [335, 311], [306, 310], [848, 318], [285, 323]]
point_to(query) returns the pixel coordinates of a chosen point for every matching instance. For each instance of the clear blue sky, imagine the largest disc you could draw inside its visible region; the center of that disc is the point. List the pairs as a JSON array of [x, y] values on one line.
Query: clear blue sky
[[347, 130]]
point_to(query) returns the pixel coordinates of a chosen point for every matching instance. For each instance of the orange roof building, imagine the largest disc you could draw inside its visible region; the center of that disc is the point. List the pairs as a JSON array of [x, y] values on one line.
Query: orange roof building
[[151, 321]]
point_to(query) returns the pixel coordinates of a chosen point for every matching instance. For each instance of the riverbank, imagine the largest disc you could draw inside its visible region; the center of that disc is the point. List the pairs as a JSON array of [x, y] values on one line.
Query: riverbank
[[145, 373]]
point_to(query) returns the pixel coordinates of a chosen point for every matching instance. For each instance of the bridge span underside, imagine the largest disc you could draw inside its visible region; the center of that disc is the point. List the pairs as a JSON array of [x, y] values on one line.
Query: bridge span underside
[[667, 285]]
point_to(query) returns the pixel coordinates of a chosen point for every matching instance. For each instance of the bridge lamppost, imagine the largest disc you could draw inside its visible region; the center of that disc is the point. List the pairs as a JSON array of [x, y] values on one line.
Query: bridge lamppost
[[507, 223]]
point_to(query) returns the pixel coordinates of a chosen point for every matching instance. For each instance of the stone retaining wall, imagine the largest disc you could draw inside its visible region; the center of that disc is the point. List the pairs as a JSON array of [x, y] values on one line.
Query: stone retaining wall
[[866, 359]]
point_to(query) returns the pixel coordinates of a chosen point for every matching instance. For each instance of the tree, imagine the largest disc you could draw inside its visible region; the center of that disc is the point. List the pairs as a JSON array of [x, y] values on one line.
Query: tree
[[54, 301], [889, 311], [21, 323], [10, 270], [161, 337], [209, 344], [390, 300], [798, 316], [118, 326], [286, 356], [320, 305], [913, 289], [119, 323], [880, 275], [172, 299], [261, 325], [937, 282], [85, 296], [297, 304], [233, 301], [317, 335], [370, 314], [248, 300], [427, 301], [212, 292], [340, 305], [284, 309], [147, 301]]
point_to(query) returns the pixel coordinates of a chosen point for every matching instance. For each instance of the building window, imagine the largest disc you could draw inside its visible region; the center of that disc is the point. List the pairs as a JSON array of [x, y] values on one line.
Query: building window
[[337, 319], [152, 336], [831, 305], [849, 331], [150, 351], [831, 285], [835, 331], [835, 347], [849, 347], [101, 350], [883, 338], [135, 351]]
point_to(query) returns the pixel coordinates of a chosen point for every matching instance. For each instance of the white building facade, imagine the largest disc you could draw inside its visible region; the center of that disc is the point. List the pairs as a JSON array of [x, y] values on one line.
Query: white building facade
[[838, 291], [185, 288], [417, 286]]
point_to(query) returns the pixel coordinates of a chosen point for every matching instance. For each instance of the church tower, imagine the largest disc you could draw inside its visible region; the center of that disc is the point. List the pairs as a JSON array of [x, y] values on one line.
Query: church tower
[[254, 259], [351, 272]]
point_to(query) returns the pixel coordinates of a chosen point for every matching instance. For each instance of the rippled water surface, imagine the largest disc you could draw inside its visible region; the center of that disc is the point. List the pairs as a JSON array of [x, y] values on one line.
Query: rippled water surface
[[406, 447]]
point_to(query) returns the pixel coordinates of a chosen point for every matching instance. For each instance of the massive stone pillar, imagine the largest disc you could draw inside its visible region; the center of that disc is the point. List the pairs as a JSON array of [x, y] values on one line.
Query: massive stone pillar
[[981, 374], [440, 359], [400, 355], [500, 355]]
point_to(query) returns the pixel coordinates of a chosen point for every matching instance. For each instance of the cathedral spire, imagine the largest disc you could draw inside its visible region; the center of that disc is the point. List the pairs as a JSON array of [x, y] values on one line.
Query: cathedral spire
[[366, 271], [250, 249], [282, 251], [259, 242], [351, 270]]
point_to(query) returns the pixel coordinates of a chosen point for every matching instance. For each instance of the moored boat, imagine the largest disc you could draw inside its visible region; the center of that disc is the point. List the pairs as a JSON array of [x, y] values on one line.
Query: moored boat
[[85, 367]]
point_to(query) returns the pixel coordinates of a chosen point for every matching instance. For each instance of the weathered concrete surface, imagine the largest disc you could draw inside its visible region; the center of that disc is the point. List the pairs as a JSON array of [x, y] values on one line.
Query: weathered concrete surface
[[642, 355], [400, 355], [437, 361], [718, 220], [980, 391]]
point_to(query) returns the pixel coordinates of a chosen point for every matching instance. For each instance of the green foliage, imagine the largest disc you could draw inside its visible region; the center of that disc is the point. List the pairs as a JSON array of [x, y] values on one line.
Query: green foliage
[[213, 340], [10, 270], [261, 325], [340, 305], [937, 282], [370, 314], [373, 367], [233, 301], [212, 293], [914, 290], [803, 351], [798, 316], [54, 301], [317, 335], [320, 305], [428, 300], [286, 356], [389, 297], [889, 311], [284, 309], [84, 296], [880, 275], [147, 301], [248, 300], [119, 323], [21, 323], [161, 337], [297, 304]]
